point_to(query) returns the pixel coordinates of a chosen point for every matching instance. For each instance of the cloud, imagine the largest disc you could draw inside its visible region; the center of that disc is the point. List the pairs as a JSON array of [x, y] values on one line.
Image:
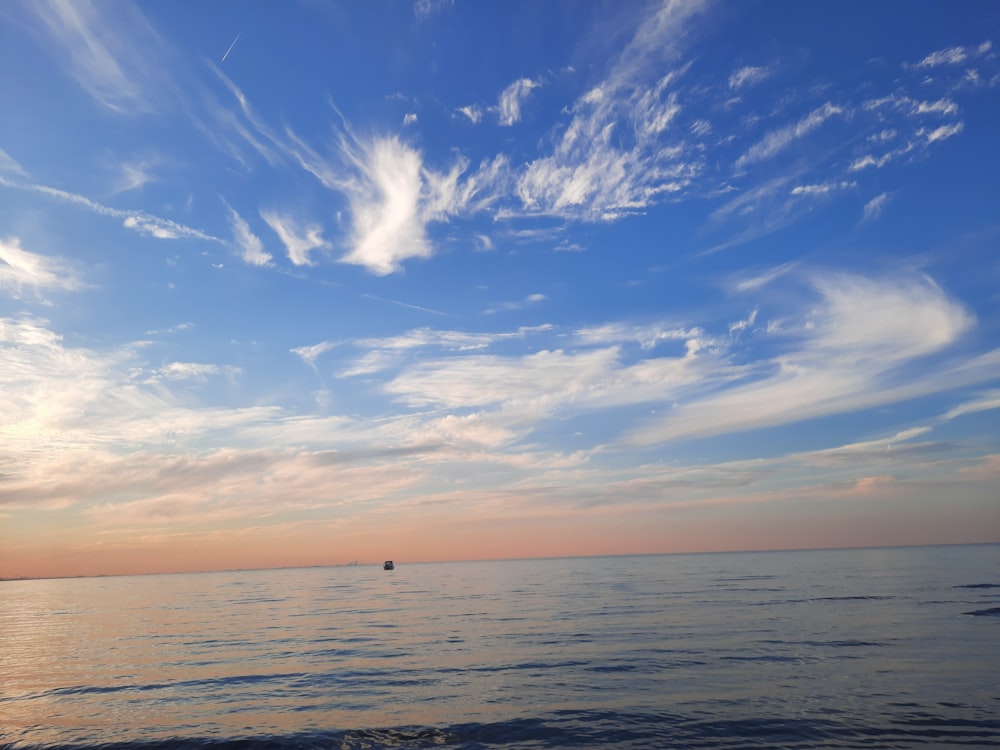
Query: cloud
[[9, 165], [410, 118], [393, 196], [425, 8], [511, 99], [21, 269], [134, 175], [299, 240], [942, 133], [985, 401], [310, 354], [778, 140], [755, 282], [407, 305], [749, 76], [386, 353], [613, 158], [249, 246], [873, 208], [823, 188], [385, 206], [531, 299], [114, 56], [186, 371], [473, 112], [646, 336], [948, 56], [855, 349], [597, 173], [139, 221], [745, 323]]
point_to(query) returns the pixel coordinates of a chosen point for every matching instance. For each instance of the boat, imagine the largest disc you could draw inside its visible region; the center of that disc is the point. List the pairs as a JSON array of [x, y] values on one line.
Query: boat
[[388, 565]]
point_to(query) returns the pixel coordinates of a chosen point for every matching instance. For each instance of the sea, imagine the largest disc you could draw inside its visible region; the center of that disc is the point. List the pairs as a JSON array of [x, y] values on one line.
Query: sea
[[858, 648]]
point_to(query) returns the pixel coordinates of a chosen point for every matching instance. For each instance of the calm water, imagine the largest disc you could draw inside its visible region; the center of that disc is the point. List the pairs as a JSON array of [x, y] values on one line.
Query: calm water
[[837, 649]]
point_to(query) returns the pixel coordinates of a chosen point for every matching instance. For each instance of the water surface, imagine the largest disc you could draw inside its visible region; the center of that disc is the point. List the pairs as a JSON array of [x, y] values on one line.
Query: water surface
[[844, 648]]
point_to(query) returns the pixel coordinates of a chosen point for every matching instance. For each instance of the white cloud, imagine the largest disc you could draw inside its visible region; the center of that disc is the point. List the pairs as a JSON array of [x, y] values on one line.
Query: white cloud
[[985, 401], [186, 371], [387, 227], [248, 244], [310, 354], [531, 299], [647, 336], [134, 175], [473, 111], [20, 269], [939, 107], [742, 325], [752, 283], [613, 157], [393, 196], [114, 56], [299, 240], [139, 221], [749, 76], [511, 99], [778, 140], [948, 56], [592, 175], [855, 348], [424, 8], [701, 128], [385, 353], [943, 132], [873, 208], [823, 188], [410, 118], [8, 164]]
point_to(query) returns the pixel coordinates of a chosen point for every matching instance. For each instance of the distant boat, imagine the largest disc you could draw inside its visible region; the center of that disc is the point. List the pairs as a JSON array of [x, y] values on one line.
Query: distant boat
[[387, 565]]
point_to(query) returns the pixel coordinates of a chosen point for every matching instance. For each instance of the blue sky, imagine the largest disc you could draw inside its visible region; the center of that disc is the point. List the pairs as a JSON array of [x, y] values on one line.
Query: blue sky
[[305, 282]]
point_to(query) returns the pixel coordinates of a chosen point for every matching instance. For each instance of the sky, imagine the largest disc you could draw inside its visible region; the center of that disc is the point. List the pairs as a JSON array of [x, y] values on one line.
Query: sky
[[310, 282]]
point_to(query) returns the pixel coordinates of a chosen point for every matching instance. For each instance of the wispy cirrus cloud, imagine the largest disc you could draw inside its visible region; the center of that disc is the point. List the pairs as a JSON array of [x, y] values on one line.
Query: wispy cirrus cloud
[[134, 175], [9, 164], [393, 196], [531, 299], [616, 156], [309, 354], [424, 8], [954, 55], [246, 243], [113, 56], [21, 269], [299, 239], [778, 140], [186, 371], [850, 355], [750, 75], [824, 188], [985, 401], [592, 174], [512, 98], [873, 208], [139, 221], [473, 112]]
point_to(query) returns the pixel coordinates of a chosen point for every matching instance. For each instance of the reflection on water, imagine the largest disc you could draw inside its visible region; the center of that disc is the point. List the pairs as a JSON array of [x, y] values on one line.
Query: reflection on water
[[856, 638]]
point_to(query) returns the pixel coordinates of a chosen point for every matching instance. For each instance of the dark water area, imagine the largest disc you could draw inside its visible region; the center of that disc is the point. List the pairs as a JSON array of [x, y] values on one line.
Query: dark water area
[[872, 648]]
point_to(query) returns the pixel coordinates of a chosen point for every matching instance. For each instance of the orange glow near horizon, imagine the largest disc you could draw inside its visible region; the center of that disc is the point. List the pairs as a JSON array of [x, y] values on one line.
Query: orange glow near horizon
[[441, 539]]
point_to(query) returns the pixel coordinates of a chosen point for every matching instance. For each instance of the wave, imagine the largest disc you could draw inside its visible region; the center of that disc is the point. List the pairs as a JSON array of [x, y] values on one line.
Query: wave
[[600, 729]]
